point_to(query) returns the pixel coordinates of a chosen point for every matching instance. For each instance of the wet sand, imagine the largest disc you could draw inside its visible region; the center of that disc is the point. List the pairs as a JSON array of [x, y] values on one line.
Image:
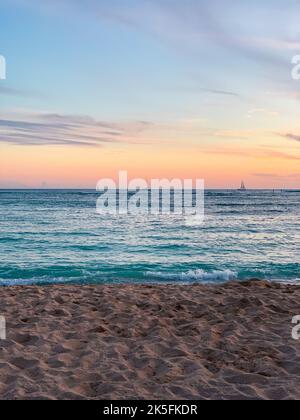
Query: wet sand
[[150, 342]]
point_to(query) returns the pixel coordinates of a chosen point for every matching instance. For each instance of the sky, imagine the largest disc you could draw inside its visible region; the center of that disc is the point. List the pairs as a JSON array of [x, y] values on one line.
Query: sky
[[160, 88]]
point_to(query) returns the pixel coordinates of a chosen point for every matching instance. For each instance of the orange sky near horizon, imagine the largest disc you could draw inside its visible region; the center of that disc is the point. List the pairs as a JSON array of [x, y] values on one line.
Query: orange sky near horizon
[[82, 167]]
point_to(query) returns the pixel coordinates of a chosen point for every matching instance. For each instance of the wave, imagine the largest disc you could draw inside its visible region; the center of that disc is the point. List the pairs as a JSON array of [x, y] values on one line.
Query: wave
[[194, 275], [37, 281]]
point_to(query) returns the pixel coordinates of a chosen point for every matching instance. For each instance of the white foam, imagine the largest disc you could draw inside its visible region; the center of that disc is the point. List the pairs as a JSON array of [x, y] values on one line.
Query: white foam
[[34, 281], [195, 275]]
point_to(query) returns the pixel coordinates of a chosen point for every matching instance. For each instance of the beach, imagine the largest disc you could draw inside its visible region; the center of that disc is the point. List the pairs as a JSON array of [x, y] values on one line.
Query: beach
[[229, 341]]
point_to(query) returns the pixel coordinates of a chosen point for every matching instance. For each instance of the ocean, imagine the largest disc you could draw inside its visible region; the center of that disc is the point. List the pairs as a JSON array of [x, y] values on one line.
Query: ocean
[[56, 236]]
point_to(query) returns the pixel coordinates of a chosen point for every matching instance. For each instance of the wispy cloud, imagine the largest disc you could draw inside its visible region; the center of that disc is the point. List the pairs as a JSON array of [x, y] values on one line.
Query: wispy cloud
[[212, 91], [291, 136], [9, 91], [193, 23], [40, 129], [222, 39], [262, 112], [259, 153], [269, 175], [265, 175]]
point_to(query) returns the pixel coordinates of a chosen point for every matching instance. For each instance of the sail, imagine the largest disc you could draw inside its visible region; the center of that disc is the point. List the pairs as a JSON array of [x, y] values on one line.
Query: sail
[[243, 187]]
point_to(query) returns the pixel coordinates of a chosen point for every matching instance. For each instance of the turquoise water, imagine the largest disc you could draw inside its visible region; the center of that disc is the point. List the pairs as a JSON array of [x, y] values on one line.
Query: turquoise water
[[57, 237]]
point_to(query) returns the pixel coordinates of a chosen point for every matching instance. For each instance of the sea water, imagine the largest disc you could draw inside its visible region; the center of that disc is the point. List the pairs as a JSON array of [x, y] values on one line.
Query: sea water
[[58, 237]]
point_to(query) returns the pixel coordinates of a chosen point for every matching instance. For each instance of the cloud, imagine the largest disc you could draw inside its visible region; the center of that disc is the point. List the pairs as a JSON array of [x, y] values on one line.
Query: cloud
[[220, 92], [282, 155], [268, 175], [235, 134], [253, 29], [194, 24], [40, 129], [291, 136], [253, 40], [259, 153], [211, 91], [265, 175], [8, 91], [262, 112]]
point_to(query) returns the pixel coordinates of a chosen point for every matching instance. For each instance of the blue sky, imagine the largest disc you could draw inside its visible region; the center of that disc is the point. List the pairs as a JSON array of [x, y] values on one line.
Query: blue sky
[[190, 70], [142, 57]]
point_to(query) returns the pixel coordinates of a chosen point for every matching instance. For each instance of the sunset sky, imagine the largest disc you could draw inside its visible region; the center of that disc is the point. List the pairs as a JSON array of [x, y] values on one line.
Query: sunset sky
[[161, 88]]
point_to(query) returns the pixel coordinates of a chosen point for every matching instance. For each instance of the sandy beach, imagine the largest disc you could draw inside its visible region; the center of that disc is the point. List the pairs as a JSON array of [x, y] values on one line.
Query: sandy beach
[[150, 342]]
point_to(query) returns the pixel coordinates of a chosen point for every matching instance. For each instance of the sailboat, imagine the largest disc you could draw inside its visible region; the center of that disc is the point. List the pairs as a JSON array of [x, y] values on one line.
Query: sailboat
[[243, 187]]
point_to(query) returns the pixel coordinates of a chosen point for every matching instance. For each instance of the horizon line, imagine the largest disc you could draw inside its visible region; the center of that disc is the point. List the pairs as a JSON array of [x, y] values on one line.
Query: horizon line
[[94, 189]]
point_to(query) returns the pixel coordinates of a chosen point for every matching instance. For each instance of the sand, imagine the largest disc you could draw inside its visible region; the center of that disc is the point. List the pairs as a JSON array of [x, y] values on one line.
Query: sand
[[150, 342]]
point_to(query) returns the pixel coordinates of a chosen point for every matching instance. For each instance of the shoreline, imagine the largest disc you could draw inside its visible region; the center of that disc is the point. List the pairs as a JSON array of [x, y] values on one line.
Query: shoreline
[[157, 283], [226, 341]]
